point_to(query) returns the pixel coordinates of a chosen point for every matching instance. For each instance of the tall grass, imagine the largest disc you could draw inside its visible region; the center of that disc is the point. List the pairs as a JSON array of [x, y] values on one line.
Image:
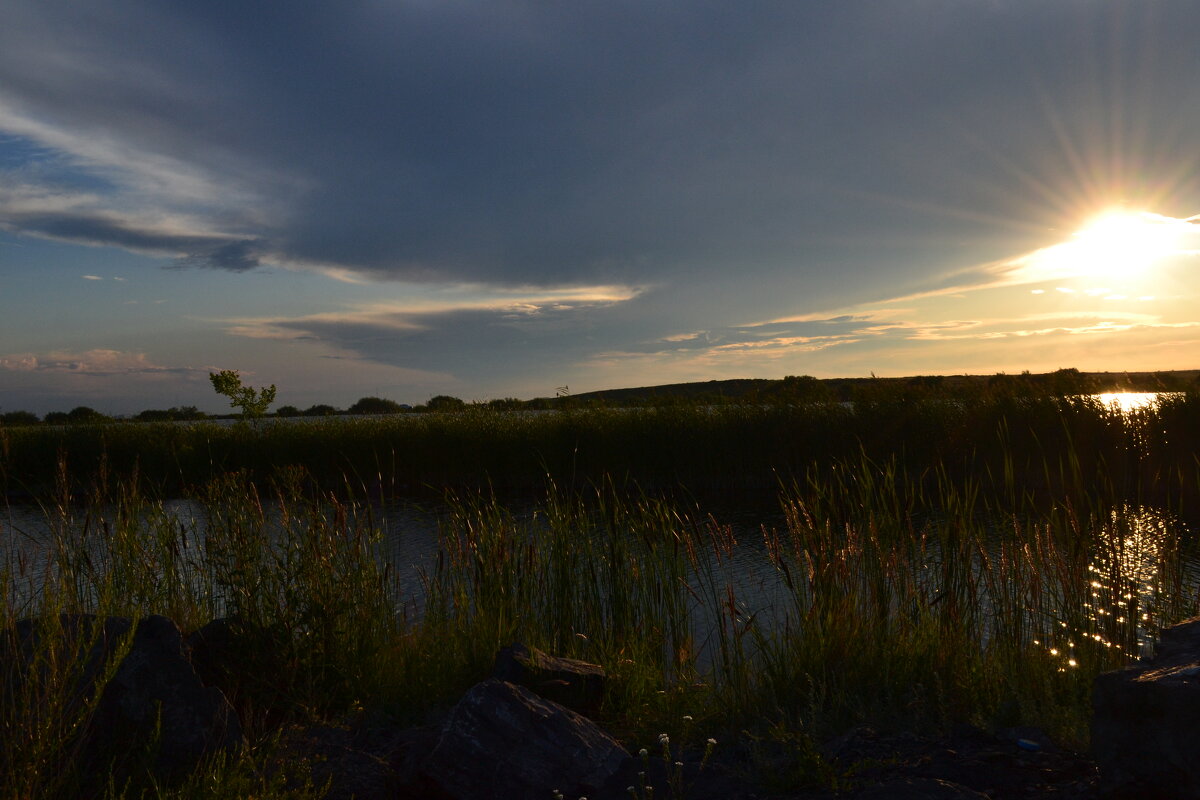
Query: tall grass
[[982, 570], [1046, 445]]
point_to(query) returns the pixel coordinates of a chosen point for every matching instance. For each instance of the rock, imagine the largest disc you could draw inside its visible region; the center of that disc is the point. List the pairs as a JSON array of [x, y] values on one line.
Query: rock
[[1144, 721], [152, 696], [155, 686], [250, 664], [575, 684], [213, 650], [503, 741], [81, 640]]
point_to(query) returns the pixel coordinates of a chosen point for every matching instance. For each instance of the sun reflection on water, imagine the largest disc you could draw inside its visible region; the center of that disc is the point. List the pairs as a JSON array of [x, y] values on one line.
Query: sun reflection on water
[[1127, 402], [1132, 579]]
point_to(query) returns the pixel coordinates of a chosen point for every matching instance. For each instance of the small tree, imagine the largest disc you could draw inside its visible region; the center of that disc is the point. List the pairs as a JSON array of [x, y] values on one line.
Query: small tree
[[253, 402]]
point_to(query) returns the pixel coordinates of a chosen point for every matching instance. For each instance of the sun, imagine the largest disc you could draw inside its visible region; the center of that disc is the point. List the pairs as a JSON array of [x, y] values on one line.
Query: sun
[[1119, 246], [1115, 253]]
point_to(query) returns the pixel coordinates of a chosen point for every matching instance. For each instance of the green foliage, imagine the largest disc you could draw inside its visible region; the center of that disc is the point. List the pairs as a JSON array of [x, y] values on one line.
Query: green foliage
[[253, 402], [18, 418]]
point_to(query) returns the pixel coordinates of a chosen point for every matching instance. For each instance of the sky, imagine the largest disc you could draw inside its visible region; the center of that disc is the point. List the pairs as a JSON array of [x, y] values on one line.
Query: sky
[[405, 199]]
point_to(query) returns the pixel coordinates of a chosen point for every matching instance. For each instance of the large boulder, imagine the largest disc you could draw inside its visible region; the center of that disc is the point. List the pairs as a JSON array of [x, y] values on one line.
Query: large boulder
[[156, 693], [150, 702], [246, 662], [575, 684], [503, 741], [66, 654], [1145, 718]]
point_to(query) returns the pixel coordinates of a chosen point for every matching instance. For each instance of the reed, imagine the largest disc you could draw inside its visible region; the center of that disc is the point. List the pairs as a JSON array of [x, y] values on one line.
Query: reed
[[960, 564], [1047, 445]]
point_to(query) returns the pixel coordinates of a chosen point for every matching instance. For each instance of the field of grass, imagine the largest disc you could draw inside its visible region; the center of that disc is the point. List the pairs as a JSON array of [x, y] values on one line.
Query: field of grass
[[940, 563], [1036, 444]]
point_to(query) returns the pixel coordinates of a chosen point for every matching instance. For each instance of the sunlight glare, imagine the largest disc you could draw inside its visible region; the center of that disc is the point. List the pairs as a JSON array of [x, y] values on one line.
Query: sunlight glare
[[1111, 257], [1127, 402], [1118, 246]]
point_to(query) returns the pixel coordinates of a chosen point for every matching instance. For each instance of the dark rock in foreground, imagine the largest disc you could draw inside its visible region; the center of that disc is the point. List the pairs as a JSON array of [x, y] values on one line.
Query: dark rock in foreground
[[1145, 720], [151, 702], [575, 684], [502, 741], [156, 687]]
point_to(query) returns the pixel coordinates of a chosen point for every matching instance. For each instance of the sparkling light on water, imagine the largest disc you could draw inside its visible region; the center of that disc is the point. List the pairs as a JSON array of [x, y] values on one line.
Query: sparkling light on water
[[1128, 401]]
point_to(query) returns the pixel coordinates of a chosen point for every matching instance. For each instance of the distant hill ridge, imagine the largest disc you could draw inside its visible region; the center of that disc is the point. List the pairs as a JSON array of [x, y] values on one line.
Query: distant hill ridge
[[1060, 381]]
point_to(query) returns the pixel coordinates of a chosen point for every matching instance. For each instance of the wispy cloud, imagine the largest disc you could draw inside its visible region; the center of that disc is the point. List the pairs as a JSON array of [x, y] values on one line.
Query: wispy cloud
[[91, 362], [513, 307]]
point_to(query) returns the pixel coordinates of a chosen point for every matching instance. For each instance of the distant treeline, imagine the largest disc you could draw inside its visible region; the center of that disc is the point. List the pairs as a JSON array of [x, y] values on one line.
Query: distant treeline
[[788, 390]]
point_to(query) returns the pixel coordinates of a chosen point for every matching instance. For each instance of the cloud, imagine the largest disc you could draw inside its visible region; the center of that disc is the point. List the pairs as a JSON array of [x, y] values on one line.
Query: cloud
[[492, 337], [91, 362], [238, 256], [92, 277], [197, 250]]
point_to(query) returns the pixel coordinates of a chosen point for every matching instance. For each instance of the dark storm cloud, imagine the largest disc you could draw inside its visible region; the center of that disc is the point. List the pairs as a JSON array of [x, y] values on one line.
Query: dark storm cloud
[[233, 256], [523, 142], [200, 251]]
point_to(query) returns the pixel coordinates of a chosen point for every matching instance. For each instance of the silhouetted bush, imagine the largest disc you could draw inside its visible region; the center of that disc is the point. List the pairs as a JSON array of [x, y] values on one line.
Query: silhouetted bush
[[443, 402], [320, 410], [375, 405], [19, 418]]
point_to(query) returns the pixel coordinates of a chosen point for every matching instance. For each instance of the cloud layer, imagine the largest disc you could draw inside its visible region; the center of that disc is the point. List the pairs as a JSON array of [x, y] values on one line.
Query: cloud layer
[[100, 363], [520, 143], [519, 194]]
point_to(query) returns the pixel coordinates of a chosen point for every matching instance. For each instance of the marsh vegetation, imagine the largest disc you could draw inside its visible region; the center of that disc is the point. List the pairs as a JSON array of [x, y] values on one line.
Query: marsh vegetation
[[928, 562]]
